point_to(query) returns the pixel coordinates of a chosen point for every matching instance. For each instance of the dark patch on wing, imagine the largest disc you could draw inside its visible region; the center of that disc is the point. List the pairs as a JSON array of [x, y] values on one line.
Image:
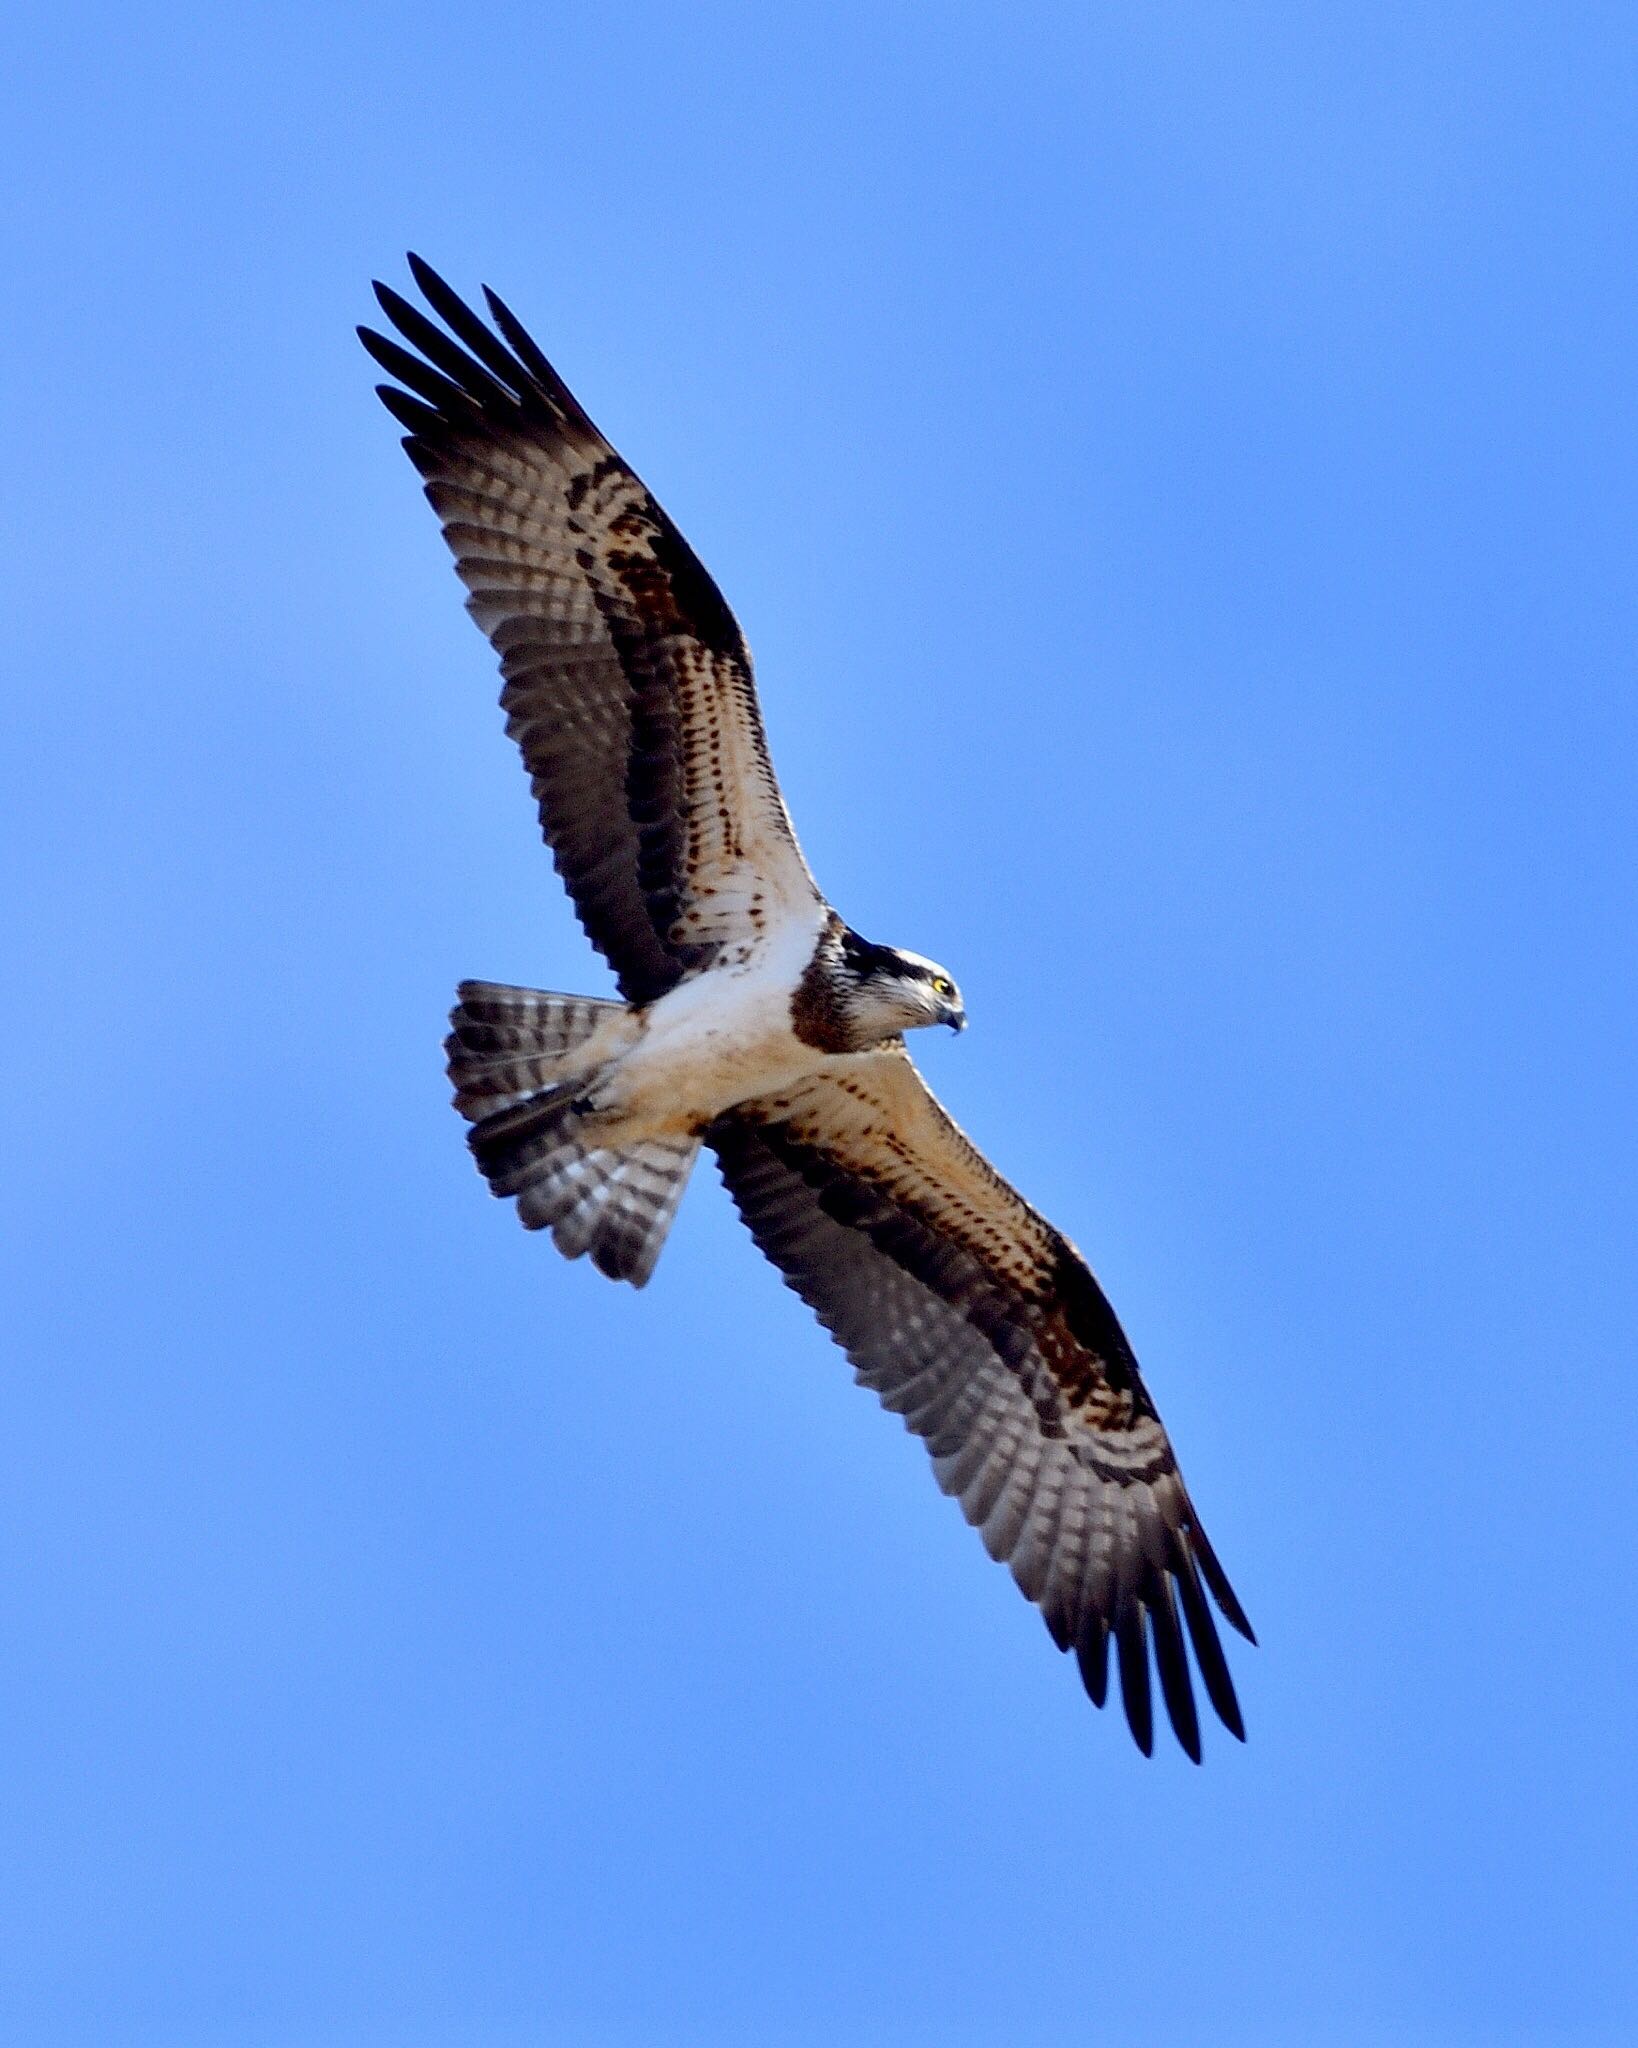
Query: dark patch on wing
[[694, 595], [1093, 1324]]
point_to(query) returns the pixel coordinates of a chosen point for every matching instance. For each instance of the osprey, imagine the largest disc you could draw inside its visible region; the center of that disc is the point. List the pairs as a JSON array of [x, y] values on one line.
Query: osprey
[[756, 1022]]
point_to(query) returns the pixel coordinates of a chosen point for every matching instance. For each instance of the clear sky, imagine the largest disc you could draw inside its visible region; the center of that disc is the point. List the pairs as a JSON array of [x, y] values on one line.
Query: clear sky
[[1175, 465]]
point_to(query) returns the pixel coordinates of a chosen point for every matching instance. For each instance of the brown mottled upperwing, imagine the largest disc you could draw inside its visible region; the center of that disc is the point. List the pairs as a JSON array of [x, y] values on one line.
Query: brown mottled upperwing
[[982, 1326], [628, 684]]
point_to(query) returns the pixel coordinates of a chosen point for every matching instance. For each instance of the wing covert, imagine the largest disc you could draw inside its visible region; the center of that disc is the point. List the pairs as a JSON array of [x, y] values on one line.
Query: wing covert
[[628, 684]]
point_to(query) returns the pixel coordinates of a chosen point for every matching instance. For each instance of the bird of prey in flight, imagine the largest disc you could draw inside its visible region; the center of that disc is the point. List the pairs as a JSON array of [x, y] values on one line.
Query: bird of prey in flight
[[755, 1021]]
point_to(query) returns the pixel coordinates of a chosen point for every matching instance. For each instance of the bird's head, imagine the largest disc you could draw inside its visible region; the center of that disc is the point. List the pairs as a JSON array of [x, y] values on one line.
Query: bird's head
[[887, 990]]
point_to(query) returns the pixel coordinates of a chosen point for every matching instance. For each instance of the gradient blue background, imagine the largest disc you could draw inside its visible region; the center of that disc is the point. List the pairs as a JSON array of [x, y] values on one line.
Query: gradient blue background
[[1176, 467]]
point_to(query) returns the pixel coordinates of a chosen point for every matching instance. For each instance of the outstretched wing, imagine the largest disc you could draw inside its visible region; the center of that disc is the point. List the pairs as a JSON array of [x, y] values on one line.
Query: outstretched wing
[[975, 1320], [628, 684]]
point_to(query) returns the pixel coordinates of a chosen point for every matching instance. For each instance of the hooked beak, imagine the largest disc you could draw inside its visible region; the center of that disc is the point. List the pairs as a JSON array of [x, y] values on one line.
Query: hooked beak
[[956, 1019]]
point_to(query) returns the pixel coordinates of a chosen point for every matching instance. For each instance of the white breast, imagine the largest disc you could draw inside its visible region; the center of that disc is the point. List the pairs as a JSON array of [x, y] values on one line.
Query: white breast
[[720, 1038]]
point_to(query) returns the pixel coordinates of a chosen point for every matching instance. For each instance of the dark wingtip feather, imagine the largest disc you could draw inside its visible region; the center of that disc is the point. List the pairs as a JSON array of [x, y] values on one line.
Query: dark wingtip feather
[[438, 390], [528, 354], [408, 412], [1217, 1579], [1061, 1631], [1172, 1662], [427, 279], [379, 345], [1092, 1655], [1132, 1647], [398, 310], [467, 328], [1208, 1651], [463, 368]]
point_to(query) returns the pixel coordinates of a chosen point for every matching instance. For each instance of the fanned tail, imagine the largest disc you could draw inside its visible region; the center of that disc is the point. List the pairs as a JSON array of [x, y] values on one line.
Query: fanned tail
[[522, 1061]]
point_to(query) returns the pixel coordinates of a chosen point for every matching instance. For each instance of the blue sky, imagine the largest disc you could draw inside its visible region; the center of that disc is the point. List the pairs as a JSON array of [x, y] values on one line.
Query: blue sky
[[1175, 465]]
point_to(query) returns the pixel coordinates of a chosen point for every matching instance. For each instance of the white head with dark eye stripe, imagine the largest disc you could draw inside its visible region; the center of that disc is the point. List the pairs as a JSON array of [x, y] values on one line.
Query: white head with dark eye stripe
[[886, 989]]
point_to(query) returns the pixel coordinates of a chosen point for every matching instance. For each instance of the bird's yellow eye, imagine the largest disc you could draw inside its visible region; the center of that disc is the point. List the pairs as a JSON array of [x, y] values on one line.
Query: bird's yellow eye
[[942, 986]]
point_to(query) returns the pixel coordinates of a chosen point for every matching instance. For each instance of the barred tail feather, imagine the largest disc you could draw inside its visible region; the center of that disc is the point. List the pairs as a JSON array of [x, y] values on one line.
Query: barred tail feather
[[618, 1206], [508, 1044]]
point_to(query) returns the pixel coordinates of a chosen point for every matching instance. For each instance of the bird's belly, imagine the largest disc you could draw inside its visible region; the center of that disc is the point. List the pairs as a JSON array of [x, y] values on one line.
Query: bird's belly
[[688, 1097], [684, 1082]]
